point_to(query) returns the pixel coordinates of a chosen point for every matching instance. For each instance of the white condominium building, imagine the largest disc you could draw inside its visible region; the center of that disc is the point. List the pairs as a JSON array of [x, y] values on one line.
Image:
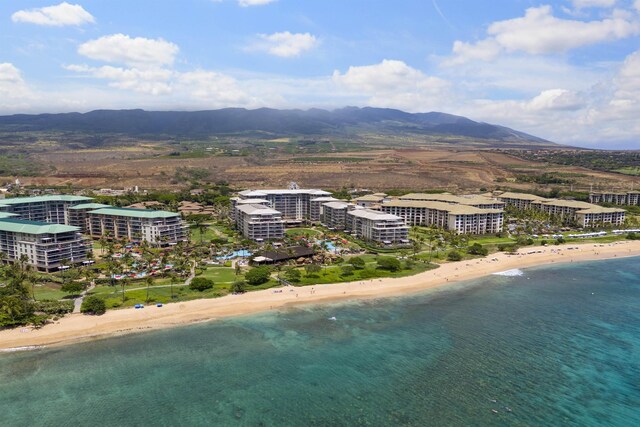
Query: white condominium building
[[79, 215], [237, 202], [316, 207], [585, 214], [44, 245], [260, 223], [628, 198], [334, 214], [160, 227], [293, 204], [377, 226], [477, 201], [53, 209], [462, 219]]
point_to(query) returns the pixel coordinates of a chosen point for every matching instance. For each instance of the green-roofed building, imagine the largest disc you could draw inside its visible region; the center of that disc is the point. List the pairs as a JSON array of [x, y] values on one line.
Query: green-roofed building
[[79, 215], [41, 244], [158, 227], [52, 208]]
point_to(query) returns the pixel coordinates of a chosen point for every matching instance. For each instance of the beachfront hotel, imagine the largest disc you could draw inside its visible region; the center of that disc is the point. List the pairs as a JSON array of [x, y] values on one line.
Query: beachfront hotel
[[628, 198], [462, 219], [294, 203], [369, 200], [377, 226], [334, 214], [259, 222], [316, 207], [158, 227], [44, 246], [53, 209], [585, 214], [477, 201]]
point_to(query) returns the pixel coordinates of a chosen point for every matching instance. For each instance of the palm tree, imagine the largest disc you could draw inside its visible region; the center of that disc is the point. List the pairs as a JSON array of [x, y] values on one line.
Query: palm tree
[[149, 281]]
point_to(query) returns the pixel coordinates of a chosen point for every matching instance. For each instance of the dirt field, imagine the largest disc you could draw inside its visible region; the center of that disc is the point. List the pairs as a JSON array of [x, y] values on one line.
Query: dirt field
[[452, 169]]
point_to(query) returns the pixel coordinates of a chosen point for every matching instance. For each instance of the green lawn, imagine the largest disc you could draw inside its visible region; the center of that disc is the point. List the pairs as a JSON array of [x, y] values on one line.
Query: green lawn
[[220, 274], [307, 232], [49, 291]]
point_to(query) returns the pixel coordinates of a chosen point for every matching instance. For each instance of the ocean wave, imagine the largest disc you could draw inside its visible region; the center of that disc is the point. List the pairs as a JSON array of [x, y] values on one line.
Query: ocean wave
[[510, 273], [25, 348]]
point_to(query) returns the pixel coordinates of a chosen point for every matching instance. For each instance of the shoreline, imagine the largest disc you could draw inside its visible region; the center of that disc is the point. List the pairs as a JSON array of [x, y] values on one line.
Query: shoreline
[[75, 328]]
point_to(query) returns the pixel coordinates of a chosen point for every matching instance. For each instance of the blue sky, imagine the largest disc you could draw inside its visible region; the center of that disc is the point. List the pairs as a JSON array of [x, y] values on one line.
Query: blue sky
[[568, 71]]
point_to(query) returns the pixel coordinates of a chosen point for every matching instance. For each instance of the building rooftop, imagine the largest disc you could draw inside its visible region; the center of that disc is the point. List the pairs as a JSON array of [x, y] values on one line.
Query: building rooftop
[[336, 205], [374, 215], [257, 210], [34, 227], [441, 206], [263, 193], [324, 199], [599, 209], [134, 213], [89, 206], [47, 198], [7, 215], [251, 201], [521, 196], [451, 198], [369, 198]]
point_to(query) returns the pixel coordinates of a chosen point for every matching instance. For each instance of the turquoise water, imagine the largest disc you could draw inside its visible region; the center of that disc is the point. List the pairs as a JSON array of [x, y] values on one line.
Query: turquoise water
[[556, 346]]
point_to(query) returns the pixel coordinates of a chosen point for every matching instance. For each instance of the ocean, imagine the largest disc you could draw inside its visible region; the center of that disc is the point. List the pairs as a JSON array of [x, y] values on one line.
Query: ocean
[[555, 345]]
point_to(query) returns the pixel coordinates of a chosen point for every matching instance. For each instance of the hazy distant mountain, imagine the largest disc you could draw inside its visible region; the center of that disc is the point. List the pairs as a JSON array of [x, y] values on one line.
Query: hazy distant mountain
[[270, 122]]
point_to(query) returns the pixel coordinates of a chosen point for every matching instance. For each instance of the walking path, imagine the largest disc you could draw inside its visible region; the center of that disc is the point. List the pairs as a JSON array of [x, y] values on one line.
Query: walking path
[[77, 303]]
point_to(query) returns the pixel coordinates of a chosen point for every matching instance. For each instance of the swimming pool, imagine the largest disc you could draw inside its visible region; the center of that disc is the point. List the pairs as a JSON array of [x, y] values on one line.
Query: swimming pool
[[242, 253]]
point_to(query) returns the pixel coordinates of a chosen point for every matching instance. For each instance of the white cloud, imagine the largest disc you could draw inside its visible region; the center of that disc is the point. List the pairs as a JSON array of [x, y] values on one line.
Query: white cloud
[[394, 84], [247, 3], [57, 16], [637, 5], [14, 92], [122, 49], [285, 44], [557, 99], [152, 81], [216, 89], [584, 4], [539, 32]]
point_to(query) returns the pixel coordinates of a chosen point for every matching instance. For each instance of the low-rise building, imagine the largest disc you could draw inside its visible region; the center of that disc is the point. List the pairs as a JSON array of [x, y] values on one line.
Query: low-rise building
[[43, 245], [369, 200], [463, 219], [377, 226], [520, 201], [158, 227], [628, 198], [259, 222]]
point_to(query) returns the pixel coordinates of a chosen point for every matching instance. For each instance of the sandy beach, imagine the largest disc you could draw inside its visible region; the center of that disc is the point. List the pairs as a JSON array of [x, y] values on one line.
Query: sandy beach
[[78, 327]]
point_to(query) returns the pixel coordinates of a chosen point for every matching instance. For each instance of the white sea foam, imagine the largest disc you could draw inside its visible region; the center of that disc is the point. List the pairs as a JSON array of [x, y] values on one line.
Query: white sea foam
[[510, 273], [25, 348]]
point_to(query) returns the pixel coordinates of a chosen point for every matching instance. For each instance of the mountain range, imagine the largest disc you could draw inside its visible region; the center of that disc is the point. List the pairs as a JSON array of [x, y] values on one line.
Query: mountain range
[[267, 122]]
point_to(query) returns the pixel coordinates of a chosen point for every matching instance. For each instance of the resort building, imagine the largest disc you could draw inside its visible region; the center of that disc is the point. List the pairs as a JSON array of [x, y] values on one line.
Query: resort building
[[583, 213], [628, 198], [463, 219], [294, 204], [370, 200], [259, 222], [316, 207], [334, 214], [377, 226], [477, 201], [236, 202], [520, 201], [159, 227], [78, 215], [43, 245], [53, 209]]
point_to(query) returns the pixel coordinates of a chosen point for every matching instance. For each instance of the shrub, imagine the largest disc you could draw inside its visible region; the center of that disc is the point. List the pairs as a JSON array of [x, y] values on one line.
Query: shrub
[[201, 284], [93, 305], [633, 236], [388, 263], [292, 275], [508, 247], [477, 249], [258, 275], [346, 270], [53, 307], [454, 256], [237, 287], [73, 288], [357, 262]]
